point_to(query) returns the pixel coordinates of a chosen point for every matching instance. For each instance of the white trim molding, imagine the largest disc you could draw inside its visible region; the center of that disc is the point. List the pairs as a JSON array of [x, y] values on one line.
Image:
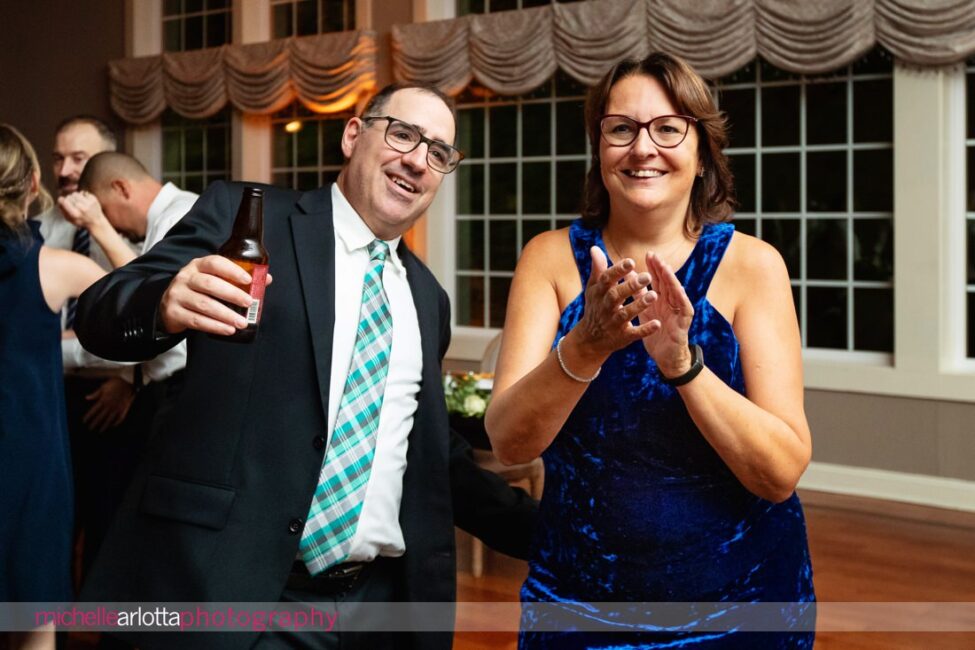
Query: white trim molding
[[934, 491]]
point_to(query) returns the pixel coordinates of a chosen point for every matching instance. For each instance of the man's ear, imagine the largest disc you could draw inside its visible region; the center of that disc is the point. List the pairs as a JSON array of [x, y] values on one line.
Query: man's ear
[[123, 187], [350, 136]]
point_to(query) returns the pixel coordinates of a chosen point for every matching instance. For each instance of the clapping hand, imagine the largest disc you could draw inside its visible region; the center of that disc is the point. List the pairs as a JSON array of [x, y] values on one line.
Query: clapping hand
[[673, 312], [606, 324]]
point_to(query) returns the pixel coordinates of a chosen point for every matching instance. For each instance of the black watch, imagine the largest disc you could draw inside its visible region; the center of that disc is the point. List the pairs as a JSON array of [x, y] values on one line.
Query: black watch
[[697, 365]]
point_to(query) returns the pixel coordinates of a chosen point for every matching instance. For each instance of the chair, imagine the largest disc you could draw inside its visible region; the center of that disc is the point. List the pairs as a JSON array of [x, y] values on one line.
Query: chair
[[531, 473]]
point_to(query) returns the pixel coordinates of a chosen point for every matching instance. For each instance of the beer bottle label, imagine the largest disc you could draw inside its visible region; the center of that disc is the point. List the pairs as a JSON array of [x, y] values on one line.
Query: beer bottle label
[[258, 281]]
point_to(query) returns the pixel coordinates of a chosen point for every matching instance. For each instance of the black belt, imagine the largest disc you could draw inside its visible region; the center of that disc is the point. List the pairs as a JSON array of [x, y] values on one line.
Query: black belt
[[334, 581]]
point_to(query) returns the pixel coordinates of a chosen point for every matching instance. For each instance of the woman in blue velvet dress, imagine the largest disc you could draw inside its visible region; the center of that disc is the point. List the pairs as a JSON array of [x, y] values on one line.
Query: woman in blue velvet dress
[[36, 494], [667, 405]]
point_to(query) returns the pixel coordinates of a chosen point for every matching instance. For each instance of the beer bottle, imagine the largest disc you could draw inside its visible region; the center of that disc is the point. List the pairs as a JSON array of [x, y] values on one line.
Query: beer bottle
[[245, 248]]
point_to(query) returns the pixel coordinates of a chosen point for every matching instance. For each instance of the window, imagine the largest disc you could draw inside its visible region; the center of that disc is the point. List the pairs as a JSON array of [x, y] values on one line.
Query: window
[[195, 24], [307, 147], [813, 165], [970, 206], [196, 152], [525, 168], [304, 17]]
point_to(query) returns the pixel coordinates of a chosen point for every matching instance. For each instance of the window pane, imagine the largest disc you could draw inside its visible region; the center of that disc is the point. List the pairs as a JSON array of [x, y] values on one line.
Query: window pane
[[194, 149], [171, 7], [306, 142], [503, 131], [742, 75], [191, 6], [470, 301], [746, 226], [971, 324], [334, 20], [570, 127], [784, 235], [499, 300], [470, 134], [771, 73], [306, 180], [281, 16], [217, 148], [743, 169], [282, 179], [536, 129], [826, 113], [971, 108], [532, 228], [971, 252], [872, 117], [797, 301], [873, 172], [217, 4], [329, 176], [535, 189], [873, 326], [504, 245], [780, 116], [502, 5], [566, 86], [172, 35], [470, 245], [826, 246], [194, 33], [307, 17], [470, 189], [332, 130], [194, 183], [740, 107], [780, 182], [283, 146], [971, 172], [826, 181], [873, 249], [826, 325], [504, 190], [172, 151], [877, 60], [217, 29], [570, 178]]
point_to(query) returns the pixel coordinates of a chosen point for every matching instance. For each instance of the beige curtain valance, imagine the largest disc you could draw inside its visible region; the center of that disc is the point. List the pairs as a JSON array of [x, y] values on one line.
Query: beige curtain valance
[[515, 51], [327, 73]]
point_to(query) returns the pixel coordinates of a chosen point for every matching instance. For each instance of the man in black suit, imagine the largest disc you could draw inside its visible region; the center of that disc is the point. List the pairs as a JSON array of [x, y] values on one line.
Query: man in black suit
[[218, 508]]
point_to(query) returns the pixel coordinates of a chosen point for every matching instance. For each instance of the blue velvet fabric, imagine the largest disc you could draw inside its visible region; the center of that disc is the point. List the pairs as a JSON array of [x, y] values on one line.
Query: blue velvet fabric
[[638, 507]]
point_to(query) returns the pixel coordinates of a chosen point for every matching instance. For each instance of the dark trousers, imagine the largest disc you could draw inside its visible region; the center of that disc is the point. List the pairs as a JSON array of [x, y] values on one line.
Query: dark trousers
[[377, 584]]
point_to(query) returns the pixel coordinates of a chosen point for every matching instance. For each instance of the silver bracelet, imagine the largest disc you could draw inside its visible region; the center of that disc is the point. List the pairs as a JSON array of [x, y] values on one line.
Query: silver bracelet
[[572, 375]]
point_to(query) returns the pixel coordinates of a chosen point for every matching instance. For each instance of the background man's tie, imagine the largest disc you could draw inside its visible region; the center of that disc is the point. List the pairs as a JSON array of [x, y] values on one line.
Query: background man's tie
[[335, 508], [81, 244]]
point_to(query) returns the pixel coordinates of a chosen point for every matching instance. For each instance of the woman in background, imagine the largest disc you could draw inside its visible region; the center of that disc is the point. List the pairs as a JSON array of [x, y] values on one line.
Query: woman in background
[[36, 494], [667, 406]]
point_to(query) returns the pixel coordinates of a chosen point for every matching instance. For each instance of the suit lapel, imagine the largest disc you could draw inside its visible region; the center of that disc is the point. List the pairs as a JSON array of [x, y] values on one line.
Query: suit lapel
[[314, 244]]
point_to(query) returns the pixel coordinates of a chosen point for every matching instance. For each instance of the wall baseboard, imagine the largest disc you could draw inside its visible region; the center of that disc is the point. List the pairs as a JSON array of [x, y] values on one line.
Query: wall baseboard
[[916, 489]]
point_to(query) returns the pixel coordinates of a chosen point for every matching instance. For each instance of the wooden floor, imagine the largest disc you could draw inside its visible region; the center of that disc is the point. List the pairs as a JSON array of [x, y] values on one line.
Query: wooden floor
[[862, 551]]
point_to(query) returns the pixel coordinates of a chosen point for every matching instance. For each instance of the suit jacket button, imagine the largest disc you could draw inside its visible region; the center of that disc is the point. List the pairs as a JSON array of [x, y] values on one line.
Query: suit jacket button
[[295, 525], [319, 442]]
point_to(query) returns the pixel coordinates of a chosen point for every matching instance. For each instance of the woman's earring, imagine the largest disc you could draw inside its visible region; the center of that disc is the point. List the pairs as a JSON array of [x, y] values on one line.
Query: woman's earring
[[700, 174]]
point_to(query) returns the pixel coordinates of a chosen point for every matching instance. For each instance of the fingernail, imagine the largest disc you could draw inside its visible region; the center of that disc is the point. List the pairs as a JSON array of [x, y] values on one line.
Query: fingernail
[[643, 278], [647, 299]]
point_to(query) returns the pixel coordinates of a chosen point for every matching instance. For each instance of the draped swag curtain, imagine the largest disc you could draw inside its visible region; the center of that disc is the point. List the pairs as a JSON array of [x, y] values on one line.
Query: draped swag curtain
[[514, 52], [328, 73]]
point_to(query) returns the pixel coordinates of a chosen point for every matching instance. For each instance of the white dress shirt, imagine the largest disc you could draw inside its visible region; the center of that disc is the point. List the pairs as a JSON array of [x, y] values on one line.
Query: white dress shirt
[[378, 531], [169, 206]]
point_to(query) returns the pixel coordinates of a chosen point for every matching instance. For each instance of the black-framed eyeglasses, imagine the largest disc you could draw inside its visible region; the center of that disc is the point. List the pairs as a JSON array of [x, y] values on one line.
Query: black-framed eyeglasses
[[666, 131], [404, 138]]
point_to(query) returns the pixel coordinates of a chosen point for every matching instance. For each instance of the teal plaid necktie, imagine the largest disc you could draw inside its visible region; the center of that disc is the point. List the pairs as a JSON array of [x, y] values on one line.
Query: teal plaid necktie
[[335, 508]]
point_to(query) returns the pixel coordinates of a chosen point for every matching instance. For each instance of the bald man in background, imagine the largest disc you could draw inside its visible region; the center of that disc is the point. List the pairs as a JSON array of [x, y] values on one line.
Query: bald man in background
[[119, 202]]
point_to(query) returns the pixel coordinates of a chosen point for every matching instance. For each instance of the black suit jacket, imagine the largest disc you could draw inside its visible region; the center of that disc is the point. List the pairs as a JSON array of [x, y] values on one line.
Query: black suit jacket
[[215, 511]]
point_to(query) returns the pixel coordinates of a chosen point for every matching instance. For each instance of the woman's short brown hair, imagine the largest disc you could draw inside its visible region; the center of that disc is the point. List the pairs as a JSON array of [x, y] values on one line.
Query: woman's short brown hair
[[712, 196]]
